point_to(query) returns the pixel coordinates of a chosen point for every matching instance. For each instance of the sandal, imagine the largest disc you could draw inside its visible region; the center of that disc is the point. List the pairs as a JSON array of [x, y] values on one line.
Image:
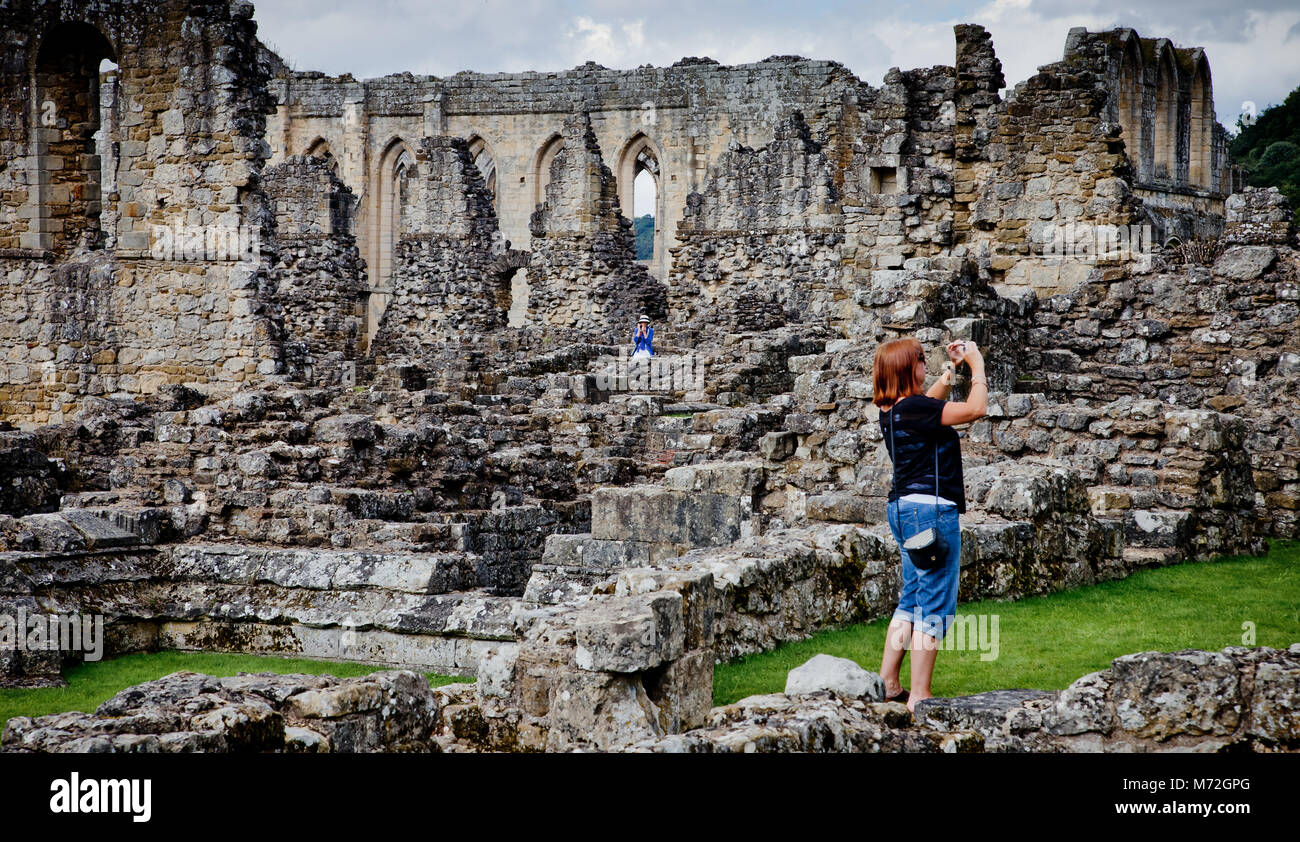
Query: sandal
[[901, 697]]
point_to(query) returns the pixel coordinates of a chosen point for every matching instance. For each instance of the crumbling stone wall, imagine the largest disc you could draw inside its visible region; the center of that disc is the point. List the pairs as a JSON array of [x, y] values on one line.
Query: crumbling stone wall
[[188, 147], [1044, 158], [299, 714], [452, 274], [1238, 699], [191, 126], [1258, 216], [320, 279], [761, 242], [583, 271], [689, 112], [1211, 338]]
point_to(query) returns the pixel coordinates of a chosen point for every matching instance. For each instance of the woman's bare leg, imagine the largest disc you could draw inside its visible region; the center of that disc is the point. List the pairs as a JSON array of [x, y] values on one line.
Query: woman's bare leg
[[896, 639], [924, 651]]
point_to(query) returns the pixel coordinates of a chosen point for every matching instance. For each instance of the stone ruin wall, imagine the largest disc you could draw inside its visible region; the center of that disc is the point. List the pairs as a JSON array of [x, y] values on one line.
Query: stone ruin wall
[[188, 150], [450, 279], [485, 504], [684, 115], [890, 158], [320, 279], [583, 270]]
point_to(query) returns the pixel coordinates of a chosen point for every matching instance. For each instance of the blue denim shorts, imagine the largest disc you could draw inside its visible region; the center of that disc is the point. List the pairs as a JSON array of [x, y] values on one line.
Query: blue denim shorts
[[929, 597]]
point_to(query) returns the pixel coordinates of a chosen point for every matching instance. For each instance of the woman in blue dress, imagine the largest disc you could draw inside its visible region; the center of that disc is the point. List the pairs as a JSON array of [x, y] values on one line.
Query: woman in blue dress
[[643, 338]]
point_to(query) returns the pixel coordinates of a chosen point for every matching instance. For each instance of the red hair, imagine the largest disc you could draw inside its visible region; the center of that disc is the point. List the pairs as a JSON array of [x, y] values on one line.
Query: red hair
[[893, 374]]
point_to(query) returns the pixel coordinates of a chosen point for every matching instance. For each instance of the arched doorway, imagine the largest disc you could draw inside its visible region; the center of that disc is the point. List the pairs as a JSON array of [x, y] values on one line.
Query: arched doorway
[[542, 167], [75, 70], [391, 189], [1129, 106], [481, 154], [640, 197]]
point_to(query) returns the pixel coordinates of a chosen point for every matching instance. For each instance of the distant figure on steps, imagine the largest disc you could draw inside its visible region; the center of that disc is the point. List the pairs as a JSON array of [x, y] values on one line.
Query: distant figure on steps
[[643, 339]]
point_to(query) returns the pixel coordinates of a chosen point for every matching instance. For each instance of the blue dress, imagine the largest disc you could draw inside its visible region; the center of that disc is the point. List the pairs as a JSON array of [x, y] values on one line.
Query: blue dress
[[644, 343]]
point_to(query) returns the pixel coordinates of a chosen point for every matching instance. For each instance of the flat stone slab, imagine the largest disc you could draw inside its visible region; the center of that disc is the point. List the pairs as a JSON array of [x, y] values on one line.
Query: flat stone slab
[[839, 675], [982, 712], [659, 515], [322, 569]]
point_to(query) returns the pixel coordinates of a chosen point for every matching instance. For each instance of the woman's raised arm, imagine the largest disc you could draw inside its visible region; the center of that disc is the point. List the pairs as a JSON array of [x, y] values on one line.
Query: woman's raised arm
[[976, 404]]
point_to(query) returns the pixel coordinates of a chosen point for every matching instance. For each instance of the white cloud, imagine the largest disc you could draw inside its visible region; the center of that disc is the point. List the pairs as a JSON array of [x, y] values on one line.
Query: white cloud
[[605, 43], [1247, 45]]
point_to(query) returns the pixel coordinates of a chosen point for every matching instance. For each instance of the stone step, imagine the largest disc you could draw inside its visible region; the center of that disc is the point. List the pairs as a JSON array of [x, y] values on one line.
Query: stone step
[[658, 515], [73, 530], [324, 569]]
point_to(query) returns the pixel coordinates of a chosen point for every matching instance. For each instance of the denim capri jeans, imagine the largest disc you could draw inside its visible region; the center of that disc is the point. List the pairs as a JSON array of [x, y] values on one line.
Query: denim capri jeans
[[929, 597]]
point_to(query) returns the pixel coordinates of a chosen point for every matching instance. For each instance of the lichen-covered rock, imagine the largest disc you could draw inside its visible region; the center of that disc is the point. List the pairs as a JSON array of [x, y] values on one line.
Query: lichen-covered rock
[[186, 712], [839, 675]]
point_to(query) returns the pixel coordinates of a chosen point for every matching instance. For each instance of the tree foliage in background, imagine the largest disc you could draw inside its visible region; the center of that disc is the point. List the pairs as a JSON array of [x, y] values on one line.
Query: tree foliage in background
[[1269, 149], [644, 228]]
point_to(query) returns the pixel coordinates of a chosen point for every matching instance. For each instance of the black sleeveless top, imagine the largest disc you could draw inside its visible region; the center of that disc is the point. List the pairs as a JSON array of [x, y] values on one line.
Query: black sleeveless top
[[917, 431]]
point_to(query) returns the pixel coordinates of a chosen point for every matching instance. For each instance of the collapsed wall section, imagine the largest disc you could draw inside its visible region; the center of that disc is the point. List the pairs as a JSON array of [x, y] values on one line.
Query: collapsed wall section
[[320, 279], [761, 242], [583, 271], [1045, 158], [183, 297]]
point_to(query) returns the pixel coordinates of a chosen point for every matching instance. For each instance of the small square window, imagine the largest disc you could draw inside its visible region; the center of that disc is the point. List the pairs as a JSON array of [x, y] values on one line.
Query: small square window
[[884, 180]]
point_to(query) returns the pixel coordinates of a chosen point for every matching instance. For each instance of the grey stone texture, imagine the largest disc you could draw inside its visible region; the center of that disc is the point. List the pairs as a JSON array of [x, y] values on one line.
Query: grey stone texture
[[359, 441]]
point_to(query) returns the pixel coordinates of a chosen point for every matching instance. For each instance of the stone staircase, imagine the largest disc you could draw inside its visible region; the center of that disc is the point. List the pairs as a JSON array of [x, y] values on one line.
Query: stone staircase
[[706, 505]]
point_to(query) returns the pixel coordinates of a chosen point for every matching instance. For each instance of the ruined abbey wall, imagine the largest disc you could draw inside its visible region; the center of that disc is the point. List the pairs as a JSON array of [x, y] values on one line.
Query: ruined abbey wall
[[182, 296], [780, 186], [933, 162], [334, 443]]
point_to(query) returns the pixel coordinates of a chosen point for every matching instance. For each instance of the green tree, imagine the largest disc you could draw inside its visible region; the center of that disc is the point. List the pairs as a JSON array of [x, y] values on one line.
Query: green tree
[[644, 229], [1269, 149]]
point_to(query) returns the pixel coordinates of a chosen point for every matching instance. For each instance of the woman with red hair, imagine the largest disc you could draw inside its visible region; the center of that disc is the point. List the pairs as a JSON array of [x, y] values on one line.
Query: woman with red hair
[[927, 491]]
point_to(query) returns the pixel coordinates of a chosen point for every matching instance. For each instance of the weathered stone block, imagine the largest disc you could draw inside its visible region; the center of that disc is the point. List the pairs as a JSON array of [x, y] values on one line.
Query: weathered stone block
[[630, 634], [838, 675], [660, 515]]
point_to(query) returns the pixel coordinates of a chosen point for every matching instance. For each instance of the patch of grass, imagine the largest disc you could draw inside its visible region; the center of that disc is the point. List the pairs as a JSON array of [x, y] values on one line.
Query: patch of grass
[[1047, 642], [677, 415], [92, 684]]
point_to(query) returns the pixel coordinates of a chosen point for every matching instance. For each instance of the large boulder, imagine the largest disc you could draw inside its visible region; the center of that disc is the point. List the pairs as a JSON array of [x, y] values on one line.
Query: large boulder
[[839, 675], [1245, 263]]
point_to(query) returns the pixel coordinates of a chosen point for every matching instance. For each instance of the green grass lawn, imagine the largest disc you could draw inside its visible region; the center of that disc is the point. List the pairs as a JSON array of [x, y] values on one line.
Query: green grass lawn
[[91, 684], [1047, 642]]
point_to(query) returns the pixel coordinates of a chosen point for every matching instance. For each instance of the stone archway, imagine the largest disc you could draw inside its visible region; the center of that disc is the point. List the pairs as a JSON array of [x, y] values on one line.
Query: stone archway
[[1164, 155], [1200, 140], [509, 276], [67, 132], [389, 185], [542, 167], [640, 159]]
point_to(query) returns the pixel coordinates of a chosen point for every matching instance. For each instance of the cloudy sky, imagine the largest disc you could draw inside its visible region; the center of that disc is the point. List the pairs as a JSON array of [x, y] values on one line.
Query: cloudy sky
[[1253, 46]]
